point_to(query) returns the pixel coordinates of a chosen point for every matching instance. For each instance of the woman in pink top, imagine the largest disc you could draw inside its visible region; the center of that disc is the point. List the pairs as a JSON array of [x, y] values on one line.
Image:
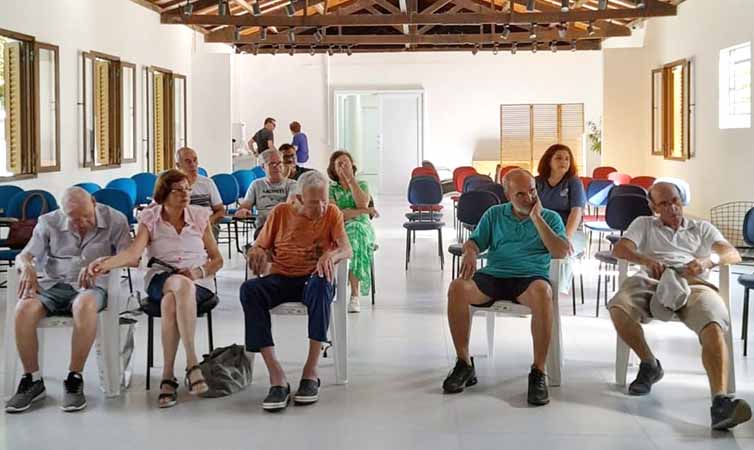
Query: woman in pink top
[[179, 235]]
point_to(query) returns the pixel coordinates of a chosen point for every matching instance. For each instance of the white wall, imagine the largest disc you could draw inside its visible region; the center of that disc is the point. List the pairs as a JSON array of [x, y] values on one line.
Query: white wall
[[131, 32], [722, 168], [463, 93]]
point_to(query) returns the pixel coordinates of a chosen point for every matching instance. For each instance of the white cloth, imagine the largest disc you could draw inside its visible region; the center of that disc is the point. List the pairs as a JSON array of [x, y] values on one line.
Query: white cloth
[[672, 294]]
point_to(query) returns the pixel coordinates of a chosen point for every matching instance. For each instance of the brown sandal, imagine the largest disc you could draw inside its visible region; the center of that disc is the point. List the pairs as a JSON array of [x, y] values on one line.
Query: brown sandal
[[172, 397], [192, 387]]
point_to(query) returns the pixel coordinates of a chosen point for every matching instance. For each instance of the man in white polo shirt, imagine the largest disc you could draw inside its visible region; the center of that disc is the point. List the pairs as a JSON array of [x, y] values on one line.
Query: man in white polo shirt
[[203, 190], [689, 247]]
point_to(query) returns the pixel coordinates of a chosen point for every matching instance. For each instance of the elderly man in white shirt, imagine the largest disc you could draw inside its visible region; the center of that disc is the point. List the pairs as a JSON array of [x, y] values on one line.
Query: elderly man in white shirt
[[690, 247], [203, 190]]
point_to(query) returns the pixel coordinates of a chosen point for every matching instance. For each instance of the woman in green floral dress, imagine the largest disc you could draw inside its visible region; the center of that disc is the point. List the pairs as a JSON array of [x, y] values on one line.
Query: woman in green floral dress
[[352, 197]]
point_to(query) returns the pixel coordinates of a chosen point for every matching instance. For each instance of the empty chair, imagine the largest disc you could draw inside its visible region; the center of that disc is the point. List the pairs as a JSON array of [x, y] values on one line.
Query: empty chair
[[126, 185], [504, 170], [625, 189], [472, 182], [244, 178], [118, 200], [471, 207], [34, 208], [496, 189], [619, 178], [459, 175], [424, 191], [259, 172], [228, 188], [145, 182], [747, 280], [601, 173], [424, 171], [202, 171], [6, 193], [89, 187], [643, 181]]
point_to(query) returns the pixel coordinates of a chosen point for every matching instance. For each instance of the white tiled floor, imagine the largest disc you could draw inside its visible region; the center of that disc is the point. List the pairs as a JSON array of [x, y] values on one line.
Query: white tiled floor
[[400, 353]]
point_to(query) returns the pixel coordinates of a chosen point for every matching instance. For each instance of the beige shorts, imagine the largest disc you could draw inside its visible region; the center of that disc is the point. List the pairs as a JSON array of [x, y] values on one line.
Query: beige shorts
[[704, 305]]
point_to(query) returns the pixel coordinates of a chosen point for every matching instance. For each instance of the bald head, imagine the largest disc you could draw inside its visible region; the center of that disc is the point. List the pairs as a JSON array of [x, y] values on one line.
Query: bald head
[[521, 190], [74, 197], [664, 188], [665, 199], [517, 176], [78, 206]]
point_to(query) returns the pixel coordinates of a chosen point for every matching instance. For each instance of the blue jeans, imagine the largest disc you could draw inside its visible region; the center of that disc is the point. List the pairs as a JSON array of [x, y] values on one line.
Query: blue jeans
[[260, 295]]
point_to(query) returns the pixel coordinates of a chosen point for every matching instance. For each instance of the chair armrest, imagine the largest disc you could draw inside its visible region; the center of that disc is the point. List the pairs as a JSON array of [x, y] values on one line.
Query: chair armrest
[[554, 276]]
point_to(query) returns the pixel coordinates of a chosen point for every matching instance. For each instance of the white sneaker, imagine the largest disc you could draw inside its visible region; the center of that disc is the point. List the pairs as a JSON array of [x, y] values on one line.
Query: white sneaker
[[353, 305]]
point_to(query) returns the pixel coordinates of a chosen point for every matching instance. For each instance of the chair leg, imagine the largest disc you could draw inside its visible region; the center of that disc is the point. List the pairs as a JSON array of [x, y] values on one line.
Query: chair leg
[[491, 316], [573, 293], [439, 246], [745, 322], [408, 246], [230, 248], [130, 283], [209, 331], [599, 285], [371, 277], [622, 353], [238, 241], [581, 281], [150, 346]]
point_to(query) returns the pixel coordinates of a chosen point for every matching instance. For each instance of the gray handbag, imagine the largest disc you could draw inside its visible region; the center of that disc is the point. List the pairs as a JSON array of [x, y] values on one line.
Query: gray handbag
[[226, 370]]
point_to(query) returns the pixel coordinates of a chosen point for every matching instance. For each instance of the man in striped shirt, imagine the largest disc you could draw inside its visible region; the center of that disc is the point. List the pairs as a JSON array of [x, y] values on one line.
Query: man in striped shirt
[[203, 189]]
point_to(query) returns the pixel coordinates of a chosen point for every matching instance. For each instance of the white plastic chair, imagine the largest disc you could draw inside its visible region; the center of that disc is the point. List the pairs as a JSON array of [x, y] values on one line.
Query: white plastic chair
[[554, 363], [623, 351], [339, 316], [107, 344]]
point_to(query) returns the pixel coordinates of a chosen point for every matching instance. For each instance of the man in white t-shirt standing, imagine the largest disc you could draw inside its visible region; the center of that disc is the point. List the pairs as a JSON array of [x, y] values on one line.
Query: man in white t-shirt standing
[[203, 189], [689, 247]]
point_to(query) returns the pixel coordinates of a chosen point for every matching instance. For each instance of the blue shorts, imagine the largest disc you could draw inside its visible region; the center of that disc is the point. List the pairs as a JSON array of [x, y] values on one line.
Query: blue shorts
[[59, 298], [154, 290]]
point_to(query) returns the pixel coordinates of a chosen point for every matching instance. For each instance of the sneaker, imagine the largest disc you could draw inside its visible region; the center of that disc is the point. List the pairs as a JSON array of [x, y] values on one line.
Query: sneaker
[[278, 398], [28, 392], [308, 391], [73, 399], [728, 412], [353, 305], [462, 376], [647, 376], [538, 394]]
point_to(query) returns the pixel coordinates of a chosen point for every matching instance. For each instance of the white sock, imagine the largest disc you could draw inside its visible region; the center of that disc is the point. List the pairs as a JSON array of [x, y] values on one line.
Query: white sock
[[36, 376]]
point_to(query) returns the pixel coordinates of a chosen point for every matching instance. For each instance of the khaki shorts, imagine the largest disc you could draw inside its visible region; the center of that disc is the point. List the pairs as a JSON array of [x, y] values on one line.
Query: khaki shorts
[[704, 305]]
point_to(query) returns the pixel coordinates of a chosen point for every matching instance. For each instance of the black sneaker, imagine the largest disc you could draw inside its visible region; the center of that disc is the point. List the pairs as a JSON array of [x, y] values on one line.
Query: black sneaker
[[728, 412], [647, 376], [73, 399], [462, 375], [28, 392], [278, 398], [308, 392], [537, 394]]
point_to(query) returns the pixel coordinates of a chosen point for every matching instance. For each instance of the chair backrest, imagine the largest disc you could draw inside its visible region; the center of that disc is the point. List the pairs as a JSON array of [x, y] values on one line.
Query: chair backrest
[[505, 170], [89, 187], [624, 189], [496, 189], [748, 231], [118, 200], [202, 171], [6, 193], [473, 181], [424, 191], [145, 182], [585, 182], [473, 204], [729, 218], [643, 181], [601, 173], [598, 191], [33, 208], [424, 171], [228, 187], [460, 174], [244, 178], [126, 185], [619, 178], [259, 172], [623, 209]]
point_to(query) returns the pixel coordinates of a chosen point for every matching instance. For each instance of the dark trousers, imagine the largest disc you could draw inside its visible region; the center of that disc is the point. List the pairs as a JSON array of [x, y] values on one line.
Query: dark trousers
[[260, 295]]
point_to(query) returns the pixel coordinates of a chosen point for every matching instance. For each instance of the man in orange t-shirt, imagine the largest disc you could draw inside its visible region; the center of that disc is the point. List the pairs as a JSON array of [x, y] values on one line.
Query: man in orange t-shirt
[[303, 241]]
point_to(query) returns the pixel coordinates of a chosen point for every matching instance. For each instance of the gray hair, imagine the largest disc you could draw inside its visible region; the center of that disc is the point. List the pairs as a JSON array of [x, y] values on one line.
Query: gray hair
[[665, 183], [506, 179], [73, 196], [265, 156], [312, 178], [181, 150]]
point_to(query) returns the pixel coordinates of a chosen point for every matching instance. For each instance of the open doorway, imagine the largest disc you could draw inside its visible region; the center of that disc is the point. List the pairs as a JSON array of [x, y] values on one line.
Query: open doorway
[[384, 132]]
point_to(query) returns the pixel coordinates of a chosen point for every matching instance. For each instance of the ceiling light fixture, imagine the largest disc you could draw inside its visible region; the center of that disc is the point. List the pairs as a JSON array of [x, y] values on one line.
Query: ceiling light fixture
[[553, 46], [534, 47], [274, 50], [602, 5], [530, 5], [506, 32], [187, 9], [291, 36], [475, 50], [236, 33], [330, 51], [263, 34], [590, 29], [348, 51], [292, 50], [533, 31], [641, 3], [514, 47], [573, 45], [311, 50], [222, 7], [562, 30], [564, 5], [256, 9], [318, 36], [290, 9], [494, 48], [255, 49]]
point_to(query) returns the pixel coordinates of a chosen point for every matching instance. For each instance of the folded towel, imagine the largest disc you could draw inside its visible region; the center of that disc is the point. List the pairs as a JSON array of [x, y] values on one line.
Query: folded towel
[[672, 294]]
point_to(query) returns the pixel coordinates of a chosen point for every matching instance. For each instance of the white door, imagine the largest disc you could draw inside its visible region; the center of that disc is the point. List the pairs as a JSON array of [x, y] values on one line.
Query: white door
[[400, 141]]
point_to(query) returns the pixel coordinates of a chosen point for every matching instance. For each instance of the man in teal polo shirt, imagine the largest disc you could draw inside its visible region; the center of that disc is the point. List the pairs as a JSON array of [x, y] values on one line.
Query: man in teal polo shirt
[[520, 238]]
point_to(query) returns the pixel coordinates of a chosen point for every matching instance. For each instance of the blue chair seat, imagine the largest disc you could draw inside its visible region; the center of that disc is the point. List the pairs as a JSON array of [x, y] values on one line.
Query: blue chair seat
[[422, 225], [600, 227], [747, 281], [606, 257], [423, 216], [9, 255]]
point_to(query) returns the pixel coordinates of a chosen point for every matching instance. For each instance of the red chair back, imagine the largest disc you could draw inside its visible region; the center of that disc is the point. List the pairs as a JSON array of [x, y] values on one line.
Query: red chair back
[[585, 182], [505, 170], [425, 171], [619, 178], [460, 174], [601, 173], [643, 181]]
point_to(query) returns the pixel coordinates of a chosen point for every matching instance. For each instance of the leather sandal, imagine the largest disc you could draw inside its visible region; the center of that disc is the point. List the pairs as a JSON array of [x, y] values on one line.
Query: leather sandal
[[172, 397], [192, 387]]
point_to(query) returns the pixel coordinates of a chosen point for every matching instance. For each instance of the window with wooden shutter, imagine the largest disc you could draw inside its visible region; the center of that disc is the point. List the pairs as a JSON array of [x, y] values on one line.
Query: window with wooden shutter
[[166, 116], [672, 111], [47, 75]]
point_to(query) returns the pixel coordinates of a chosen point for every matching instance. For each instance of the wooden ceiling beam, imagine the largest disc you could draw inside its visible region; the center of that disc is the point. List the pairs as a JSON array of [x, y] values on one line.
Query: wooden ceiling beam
[[587, 44]]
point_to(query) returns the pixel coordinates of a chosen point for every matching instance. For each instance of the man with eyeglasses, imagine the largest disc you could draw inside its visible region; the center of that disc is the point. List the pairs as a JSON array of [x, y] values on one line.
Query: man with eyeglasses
[[290, 163], [265, 193], [203, 190], [674, 251]]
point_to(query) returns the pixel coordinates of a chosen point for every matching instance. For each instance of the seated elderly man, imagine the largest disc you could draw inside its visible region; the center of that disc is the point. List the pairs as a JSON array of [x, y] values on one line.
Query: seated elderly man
[[520, 238], [687, 247], [290, 164], [303, 240], [63, 243], [203, 190], [265, 193]]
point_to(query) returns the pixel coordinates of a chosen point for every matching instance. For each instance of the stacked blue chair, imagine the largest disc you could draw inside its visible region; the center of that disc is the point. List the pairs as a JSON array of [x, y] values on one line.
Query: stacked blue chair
[[471, 207], [145, 182], [228, 188], [126, 185], [34, 209], [6, 193], [89, 187], [747, 280], [597, 195], [424, 191], [244, 178], [202, 171], [473, 182], [118, 200], [496, 189], [258, 172]]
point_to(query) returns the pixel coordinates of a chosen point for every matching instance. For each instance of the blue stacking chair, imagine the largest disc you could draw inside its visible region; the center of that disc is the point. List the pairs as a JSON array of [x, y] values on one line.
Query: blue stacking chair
[[6, 193], [228, 188], [126, 185], [597, 195], [145, 182], [258, 172], [202, 171], [496, 189], [118, 200], [424, 191], [473, 182], [89, 187], [747, 280], [244, 178], [471, 207]]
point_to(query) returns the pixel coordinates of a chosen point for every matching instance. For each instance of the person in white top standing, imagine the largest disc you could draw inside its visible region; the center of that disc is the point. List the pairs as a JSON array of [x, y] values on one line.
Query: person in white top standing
[[203, 190], [671, 241]]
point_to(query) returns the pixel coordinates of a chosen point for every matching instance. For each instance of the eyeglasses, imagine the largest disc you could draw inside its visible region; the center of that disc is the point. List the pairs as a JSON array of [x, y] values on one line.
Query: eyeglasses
[[289, 158], [181, 190]]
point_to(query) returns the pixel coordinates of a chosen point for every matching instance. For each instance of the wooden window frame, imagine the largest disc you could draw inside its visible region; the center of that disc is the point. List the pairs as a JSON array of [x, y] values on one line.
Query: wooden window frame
[[56, 50], [132, 66], [666, 101], [114, 111], [167, 115], [185, 103]]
